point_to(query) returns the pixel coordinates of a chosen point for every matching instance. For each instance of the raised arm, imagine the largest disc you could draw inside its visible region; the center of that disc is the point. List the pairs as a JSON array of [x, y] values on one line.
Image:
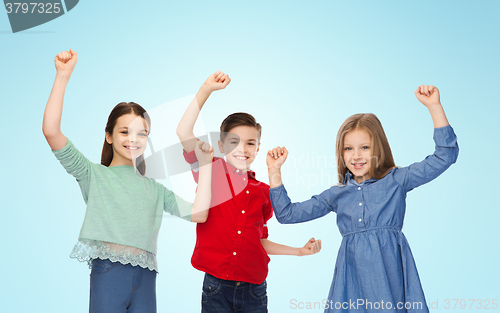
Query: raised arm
[[65, 63], [287, 212], [204, 153], [428, 95], [446, 150], [217, 81]]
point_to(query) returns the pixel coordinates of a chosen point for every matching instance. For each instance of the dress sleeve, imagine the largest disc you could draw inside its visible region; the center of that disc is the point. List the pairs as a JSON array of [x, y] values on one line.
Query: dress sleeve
[[445, 154], [290, 213], [175, 205], [75, 164]]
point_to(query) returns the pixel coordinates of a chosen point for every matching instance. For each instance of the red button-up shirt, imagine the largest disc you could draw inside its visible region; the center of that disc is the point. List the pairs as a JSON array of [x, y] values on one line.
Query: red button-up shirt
[[228, 244]]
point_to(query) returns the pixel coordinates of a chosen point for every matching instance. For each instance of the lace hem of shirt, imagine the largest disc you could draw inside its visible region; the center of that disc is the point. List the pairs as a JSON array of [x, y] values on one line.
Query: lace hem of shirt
[[87, 250]]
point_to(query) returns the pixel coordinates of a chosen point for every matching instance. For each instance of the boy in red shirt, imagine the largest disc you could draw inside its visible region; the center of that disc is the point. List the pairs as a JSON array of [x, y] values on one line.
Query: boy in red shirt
[[231, 245]]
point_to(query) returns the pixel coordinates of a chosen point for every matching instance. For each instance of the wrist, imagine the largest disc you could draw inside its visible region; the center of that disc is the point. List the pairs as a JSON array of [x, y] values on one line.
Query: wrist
[[434, 106], [61, 76], [205, 165], [205, 88], [274, 170]]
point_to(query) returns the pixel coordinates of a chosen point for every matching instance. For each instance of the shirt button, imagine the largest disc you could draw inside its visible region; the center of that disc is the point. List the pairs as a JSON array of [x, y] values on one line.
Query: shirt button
[[243, 211], [239, 232], [244, 178], [360, 220], [360, 204], [359, 188], [248, 192], [238, 283], [237, 171], [234, 253]]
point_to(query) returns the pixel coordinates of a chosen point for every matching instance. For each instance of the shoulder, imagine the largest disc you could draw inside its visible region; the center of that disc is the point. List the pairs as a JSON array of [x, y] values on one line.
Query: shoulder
[[71, 156], [218, 165], [218, 160], [261, 184], [395, 174]]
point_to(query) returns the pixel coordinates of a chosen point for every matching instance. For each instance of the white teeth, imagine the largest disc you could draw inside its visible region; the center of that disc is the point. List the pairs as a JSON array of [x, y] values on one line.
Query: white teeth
[[132, 148]]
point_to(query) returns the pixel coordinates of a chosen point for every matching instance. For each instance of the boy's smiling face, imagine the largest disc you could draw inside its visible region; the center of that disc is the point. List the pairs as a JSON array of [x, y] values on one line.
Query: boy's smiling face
[[241, 146]]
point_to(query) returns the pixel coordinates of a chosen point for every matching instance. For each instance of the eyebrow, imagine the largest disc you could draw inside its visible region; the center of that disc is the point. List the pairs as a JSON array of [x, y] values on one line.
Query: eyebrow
[[237, 138], [127, 128], [363, 144]]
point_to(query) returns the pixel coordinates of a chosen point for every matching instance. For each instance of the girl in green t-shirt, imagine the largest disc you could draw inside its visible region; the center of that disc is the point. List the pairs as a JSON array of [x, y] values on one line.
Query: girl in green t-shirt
[[124, 208]]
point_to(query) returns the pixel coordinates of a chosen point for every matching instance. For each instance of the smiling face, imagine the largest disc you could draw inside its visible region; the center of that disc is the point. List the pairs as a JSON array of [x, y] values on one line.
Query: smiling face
[[357, 153], [240, 146], [129, 139]]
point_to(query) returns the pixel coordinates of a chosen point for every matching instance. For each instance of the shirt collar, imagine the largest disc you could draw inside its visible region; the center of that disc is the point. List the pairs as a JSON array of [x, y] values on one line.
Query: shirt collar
[[348, 177], [234, 170]]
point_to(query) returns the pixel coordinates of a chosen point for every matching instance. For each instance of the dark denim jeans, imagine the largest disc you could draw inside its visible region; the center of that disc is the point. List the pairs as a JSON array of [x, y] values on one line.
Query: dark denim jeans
[[221, 295], [118, 288]]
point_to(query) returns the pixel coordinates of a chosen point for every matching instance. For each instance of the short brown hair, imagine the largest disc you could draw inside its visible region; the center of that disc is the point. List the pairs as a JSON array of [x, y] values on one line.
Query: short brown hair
[[238, 119], [380, 149]]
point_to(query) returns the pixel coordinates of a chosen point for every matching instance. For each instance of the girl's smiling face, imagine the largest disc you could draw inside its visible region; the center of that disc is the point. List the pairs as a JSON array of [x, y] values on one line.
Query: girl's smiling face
[[129, 139], [240, 146], [357, 153]]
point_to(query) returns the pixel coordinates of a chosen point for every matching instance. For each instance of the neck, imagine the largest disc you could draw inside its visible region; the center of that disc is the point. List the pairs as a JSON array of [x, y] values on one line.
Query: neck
[[120, 161], [360, 179]]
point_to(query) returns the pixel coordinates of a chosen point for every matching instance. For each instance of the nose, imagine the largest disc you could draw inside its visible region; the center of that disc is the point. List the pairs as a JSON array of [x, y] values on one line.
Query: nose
[[357, 154], [132, 137], [240, 147]]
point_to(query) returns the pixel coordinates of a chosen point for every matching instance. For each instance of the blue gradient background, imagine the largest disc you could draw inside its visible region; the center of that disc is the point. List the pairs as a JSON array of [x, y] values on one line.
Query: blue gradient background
[[301, 68]]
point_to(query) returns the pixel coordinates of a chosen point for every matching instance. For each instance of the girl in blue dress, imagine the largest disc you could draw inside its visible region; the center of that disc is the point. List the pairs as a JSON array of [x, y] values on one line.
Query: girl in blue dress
[[375, 270]]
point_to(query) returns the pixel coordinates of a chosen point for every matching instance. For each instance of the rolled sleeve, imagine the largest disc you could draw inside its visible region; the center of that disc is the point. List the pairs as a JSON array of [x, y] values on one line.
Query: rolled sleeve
[[267, 214]]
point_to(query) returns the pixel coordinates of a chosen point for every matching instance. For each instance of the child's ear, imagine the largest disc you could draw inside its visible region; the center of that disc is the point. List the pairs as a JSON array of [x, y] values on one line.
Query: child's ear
[[108, 138], [258, 147], [221, 147]]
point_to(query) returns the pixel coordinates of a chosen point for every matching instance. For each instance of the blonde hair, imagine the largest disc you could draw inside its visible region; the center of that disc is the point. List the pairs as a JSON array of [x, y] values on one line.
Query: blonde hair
[[380, 149]]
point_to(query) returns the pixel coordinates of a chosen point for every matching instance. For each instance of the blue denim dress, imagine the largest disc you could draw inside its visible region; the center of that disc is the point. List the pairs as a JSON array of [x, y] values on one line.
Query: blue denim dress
[[375, 270]]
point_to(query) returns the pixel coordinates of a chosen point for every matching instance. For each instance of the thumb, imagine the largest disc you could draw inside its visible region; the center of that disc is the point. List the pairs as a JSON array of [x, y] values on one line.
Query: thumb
[[73, 54]]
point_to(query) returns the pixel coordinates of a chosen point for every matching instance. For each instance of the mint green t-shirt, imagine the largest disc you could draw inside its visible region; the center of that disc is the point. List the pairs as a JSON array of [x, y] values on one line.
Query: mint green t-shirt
[[123, 208]]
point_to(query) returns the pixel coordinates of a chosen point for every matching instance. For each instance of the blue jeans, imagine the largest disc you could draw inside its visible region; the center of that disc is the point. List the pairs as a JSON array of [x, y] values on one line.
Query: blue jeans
[[118, 288], [219, 295]]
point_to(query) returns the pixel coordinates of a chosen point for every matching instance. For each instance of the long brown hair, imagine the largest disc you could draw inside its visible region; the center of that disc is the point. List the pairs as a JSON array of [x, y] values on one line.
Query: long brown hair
[[120, 109], [380, 149]]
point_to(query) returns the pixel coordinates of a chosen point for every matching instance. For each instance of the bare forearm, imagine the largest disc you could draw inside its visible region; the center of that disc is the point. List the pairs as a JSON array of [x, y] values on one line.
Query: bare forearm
[[53, 111], [273, 248], [438, 116], [186, 125], [202, 200], [274, 177]]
